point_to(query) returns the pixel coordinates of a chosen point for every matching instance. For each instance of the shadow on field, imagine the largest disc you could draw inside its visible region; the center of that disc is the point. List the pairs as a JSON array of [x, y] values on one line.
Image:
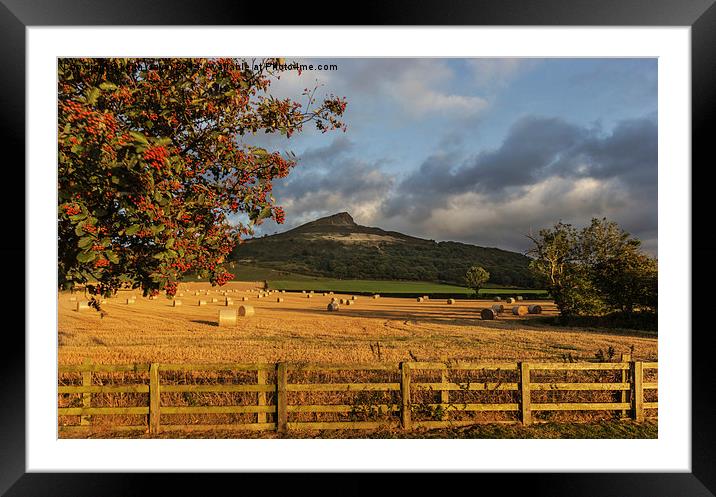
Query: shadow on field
[[470, 317], [203, 321]]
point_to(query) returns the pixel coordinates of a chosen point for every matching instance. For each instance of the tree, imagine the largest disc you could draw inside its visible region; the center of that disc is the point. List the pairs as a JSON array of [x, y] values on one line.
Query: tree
[[151, 166], [596, 270], [476, 277]]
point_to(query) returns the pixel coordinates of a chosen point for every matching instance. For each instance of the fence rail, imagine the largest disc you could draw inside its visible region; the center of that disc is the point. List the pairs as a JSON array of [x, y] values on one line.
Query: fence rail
[[628, 386]]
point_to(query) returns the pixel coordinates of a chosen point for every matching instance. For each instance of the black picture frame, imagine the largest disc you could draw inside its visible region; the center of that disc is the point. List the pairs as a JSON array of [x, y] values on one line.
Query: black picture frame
[[700, 15]]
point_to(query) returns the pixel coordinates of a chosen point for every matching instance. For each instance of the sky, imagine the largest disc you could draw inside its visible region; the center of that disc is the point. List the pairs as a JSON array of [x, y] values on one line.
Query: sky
[[481, 151]]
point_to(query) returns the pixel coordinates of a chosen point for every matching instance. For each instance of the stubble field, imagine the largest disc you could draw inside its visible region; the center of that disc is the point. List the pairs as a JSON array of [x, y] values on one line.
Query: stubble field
[[300, 329]]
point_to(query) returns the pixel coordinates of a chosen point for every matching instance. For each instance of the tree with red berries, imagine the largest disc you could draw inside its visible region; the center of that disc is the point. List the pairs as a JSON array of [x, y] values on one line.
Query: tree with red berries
[[150, 166]]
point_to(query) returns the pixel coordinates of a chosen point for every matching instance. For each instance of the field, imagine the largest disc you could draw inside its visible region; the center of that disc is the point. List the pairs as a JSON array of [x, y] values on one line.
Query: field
[[300, 329]]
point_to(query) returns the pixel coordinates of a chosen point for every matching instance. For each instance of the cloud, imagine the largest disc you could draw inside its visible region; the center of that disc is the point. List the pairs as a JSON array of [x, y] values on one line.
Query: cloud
[[331, 179], [489, 73], [418, 87], [545, 170]]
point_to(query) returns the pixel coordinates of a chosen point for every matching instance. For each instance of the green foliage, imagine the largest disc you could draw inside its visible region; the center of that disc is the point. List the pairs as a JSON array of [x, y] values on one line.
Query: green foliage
[[476, 277], [402, 258], [595, 271], [150, 166]]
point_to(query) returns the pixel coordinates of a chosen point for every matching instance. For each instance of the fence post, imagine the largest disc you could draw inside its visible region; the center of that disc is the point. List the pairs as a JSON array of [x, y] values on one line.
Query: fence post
[[626, 357], [638, 391], [281, 398], [85, 419], [405, 394], [444, 394], [154, 398], [526, 398], [261, 397]]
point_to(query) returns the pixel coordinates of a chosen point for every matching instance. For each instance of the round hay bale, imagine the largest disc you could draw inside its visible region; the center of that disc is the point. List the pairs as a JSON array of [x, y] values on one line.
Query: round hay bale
[[519, 310], [497, 299], [510, 300], [498, 308], [350, 302], [519, 297], [325, 294], [376, 296], [308, 295], [279, 300], [243, 299], [227, 317], [311, 291], [488, 314], [450, 301], [330, 293], [246, 311], [214, 300], [353, 297], [130, 301], [201, 302], [303, 291], [176, 303], [419, 299], [534, 309], [82, 306], [425, 297], [333, 307]]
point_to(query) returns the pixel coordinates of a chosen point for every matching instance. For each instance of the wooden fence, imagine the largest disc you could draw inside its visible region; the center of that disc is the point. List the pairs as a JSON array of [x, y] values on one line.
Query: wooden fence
[[407, 388]]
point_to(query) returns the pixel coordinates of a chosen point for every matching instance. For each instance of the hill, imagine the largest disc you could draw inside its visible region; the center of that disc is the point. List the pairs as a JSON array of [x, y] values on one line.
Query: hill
[[337, 247]]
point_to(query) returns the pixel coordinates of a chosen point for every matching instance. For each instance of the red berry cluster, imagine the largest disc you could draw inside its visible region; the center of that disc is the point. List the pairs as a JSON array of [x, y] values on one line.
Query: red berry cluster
[[71, 209], [156, 157], [101, 263]]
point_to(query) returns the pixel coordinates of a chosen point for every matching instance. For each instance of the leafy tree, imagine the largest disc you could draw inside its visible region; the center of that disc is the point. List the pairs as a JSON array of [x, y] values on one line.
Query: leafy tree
[[596, 270], [476, 277], [151, 166]]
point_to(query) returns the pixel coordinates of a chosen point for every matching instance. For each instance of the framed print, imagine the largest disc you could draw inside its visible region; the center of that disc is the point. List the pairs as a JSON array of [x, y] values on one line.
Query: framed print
[[400, 239]]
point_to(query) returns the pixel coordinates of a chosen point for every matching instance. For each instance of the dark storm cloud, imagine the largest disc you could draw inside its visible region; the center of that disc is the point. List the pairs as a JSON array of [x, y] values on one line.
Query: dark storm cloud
[[535, 149]]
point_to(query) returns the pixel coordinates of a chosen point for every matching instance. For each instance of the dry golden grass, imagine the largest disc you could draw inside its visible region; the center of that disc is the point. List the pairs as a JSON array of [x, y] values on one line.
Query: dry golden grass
[[301, 329]]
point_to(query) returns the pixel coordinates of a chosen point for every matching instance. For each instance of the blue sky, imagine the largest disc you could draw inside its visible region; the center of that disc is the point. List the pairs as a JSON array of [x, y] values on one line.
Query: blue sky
[[477, 150]]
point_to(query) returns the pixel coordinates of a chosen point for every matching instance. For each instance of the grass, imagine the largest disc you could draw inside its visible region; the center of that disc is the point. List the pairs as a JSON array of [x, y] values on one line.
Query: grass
[[598, 430], [387, 287]]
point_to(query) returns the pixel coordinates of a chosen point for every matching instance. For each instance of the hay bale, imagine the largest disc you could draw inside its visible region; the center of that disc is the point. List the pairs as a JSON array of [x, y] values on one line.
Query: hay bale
[[243, 299], [303, 291], [488, 314], [519, 310], [333, 307], [201, 302], [376, 296], [214, 300], [176, 303], [450, 301], [498, 308], [343, 301], [130, 301], [425, 297], [82, 306], [350, 302], [497, 299], [519, 297], [228, 302], [353, 297], [325, 294], [246, 311], [308, 295], [419, 299], [227, 317], [311, 291], [510, 300], [279, 300], [534, 309]]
